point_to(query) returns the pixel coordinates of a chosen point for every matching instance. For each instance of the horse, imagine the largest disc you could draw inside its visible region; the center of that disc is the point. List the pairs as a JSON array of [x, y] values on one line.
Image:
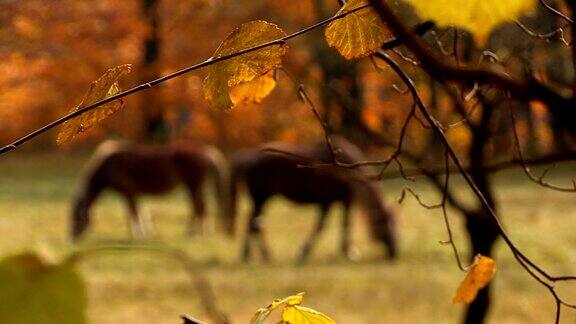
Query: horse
[[133, 170], [291, 175]]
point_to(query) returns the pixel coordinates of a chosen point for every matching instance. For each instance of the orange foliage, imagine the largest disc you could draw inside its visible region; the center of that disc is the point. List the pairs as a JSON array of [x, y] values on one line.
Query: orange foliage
[[51, 53]]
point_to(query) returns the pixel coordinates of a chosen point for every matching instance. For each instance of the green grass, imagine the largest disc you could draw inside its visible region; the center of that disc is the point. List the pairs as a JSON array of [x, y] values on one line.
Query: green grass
[[139, 287]]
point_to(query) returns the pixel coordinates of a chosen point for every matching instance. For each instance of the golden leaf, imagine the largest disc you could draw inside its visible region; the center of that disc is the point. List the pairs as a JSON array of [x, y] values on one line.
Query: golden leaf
[[304, 315], [477, 16], [104, 87], [358, 34], [253, 91], [263, 313], [246, 67], [479, 275]]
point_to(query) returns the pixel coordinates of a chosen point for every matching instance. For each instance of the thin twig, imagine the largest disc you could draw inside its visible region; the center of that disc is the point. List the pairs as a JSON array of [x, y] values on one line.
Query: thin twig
[[556, 12], [557, 34], [539, 180]]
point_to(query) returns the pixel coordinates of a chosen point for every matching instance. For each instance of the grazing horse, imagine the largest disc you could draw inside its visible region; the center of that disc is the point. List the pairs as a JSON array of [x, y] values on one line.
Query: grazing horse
[[134, 170], [267, 174]]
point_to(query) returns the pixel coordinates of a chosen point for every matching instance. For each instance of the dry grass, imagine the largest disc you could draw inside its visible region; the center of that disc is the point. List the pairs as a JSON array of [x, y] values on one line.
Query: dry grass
[[139, 287]]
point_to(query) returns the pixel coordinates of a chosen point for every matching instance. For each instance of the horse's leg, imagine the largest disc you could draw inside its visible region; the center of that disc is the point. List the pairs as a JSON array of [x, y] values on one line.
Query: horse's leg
[[136, 226], [307, 248], [345, 243], [255, 230], [196, 222]]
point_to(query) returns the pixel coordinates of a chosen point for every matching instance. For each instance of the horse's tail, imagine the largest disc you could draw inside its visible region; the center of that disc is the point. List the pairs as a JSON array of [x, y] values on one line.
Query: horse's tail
[[221, 174], [91, 186], [381, 218]]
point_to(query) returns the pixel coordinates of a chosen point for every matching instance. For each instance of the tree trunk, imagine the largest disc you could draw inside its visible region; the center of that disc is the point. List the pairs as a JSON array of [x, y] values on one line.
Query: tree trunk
[[155, 127], [482, 229]]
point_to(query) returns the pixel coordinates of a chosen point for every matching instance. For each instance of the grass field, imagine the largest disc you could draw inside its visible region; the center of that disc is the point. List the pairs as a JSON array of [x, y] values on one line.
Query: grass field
[[140, 287]]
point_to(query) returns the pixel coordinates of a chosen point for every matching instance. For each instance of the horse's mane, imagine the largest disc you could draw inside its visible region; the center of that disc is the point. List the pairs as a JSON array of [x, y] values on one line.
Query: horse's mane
[[103, 151]]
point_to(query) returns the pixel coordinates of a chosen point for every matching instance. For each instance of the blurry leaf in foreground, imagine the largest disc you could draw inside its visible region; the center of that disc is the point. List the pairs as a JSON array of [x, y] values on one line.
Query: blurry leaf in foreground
[[105, 87], [244, 68], [358, 34], [34, 292], [477, 16], [479, 275]]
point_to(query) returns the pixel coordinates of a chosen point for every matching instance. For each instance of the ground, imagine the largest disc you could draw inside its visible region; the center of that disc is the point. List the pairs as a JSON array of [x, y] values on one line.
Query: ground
[[142, 287]]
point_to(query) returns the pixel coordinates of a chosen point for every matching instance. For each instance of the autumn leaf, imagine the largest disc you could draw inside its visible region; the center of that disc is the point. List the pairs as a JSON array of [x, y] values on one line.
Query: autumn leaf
[[358, 34], [227, 74], [105, 87], [34, 291], [479, 275], [294, 314], [477, 16], [253, 91], [263, 313]]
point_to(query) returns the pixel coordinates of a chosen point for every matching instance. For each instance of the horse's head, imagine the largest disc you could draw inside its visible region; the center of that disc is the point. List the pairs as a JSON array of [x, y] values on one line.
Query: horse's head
[[80, 219], [383, 227]]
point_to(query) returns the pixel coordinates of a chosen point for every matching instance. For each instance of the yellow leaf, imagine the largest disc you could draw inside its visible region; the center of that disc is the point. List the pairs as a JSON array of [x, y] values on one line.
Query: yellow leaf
[[263, 313], [243, 68], [253, 91], [477, 16], [479, 275], [105, 87], [358, 34], [303, 315]]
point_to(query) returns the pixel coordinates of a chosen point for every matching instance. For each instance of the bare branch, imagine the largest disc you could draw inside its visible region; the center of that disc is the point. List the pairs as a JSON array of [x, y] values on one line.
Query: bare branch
[[527, 89], [556, 12], [539, 180], [557, 34], [418, 199]]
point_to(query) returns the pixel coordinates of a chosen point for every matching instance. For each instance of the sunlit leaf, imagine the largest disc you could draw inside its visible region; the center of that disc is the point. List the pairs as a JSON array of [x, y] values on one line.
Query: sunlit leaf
[[105, 87], [263, 313], [358, 34], [253, 91], [243, 68], [34, 292], [295, 314], [479, 275], [477, 16]]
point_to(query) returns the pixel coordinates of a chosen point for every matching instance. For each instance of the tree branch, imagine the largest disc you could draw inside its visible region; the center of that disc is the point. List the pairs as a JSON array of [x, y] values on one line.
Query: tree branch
[[527, 89]]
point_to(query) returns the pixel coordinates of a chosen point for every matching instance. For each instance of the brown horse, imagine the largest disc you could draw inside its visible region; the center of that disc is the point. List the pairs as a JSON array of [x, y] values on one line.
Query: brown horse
[[134, 170], [267, 174]]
